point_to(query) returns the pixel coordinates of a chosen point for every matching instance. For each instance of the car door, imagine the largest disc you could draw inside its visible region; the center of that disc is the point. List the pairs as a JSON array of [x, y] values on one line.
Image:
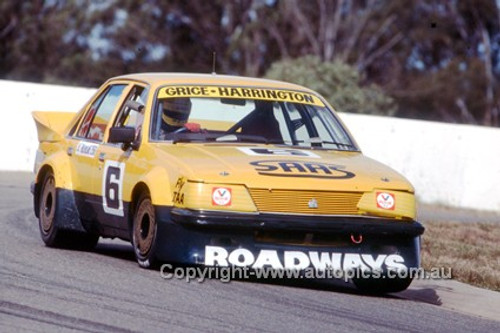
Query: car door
[[117, 170], [83, 145]]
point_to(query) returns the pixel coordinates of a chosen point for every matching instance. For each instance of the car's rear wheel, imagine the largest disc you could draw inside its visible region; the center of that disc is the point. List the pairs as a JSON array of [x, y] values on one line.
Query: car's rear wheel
[[144, 231], [52, 235], [383, 284]]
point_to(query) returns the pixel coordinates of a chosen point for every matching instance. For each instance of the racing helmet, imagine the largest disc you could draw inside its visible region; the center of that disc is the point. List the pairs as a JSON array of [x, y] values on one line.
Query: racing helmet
[[176, 111]]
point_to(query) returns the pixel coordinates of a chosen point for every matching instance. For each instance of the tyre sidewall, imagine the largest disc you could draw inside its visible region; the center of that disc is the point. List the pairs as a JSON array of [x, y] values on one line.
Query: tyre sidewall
[[49, 236], [144, 206]]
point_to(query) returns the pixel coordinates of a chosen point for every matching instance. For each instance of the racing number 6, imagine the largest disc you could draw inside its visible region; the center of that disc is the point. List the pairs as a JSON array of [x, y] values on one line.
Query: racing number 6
[[112, 187]]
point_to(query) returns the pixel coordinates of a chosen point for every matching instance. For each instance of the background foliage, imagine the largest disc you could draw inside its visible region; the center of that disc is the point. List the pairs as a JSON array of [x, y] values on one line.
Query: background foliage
[[338, 82], [426, 59]]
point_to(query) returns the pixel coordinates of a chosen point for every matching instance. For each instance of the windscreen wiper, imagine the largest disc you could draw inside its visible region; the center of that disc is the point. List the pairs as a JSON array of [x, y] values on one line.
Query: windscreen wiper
[[337, 143], [190, 137], [318, 142], [242, 138]]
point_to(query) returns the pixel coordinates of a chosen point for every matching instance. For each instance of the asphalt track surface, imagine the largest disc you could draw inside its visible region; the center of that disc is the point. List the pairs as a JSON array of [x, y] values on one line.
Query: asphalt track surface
[[49, 290]]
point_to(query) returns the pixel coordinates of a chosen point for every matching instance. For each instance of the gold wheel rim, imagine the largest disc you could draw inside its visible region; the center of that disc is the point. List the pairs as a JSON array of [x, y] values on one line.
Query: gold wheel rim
[[144, 228]]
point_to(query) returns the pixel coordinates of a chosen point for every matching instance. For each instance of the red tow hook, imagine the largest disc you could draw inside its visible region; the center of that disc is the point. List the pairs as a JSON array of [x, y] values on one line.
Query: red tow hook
[[357, 241]]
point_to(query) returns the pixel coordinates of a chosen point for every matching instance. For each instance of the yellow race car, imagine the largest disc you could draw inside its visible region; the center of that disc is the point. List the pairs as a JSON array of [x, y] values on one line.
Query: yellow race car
[[223, 171]]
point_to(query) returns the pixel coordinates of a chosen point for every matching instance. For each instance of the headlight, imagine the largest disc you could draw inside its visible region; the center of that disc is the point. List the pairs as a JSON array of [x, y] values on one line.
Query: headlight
[[388, 203], [206, 196]]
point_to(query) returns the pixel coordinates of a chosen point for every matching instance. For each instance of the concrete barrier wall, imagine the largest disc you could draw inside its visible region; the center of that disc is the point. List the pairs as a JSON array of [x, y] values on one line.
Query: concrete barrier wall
[[18, 137], [449, 164]]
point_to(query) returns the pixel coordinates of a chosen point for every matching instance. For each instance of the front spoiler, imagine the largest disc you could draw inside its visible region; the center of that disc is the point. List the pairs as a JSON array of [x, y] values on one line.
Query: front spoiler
[[340, 224], [184, 235]]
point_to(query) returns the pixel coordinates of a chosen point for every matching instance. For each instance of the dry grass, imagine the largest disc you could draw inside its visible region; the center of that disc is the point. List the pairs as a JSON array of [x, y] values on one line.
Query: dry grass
[[472, 250]]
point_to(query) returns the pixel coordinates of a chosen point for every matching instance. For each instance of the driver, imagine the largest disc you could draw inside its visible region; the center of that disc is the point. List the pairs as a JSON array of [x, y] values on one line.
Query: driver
[[175, 113]]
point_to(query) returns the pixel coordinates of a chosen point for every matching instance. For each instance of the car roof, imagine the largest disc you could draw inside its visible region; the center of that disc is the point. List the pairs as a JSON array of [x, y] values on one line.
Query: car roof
[[157, 79]]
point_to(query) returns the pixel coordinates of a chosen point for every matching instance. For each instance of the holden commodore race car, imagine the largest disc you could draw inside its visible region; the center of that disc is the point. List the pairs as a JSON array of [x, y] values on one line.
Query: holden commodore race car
[[222, 171]]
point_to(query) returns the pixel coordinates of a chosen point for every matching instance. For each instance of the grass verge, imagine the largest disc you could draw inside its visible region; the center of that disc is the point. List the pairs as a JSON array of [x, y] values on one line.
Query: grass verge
[[472, 250]]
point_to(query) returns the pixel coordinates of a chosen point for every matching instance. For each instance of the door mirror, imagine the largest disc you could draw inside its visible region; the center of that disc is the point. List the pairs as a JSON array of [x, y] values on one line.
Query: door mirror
[[134, 105], [125, 135]]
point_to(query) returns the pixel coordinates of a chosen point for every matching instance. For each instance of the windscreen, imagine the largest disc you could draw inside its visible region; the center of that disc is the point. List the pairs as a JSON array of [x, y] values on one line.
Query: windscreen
[[239, 114]]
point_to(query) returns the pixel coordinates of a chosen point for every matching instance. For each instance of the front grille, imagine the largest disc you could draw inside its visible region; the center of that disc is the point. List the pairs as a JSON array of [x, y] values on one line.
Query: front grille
[[303, 238], [298, 202]]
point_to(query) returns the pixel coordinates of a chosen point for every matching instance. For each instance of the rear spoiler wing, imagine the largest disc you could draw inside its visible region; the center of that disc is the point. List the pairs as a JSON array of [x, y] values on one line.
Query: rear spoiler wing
[[51, 125]]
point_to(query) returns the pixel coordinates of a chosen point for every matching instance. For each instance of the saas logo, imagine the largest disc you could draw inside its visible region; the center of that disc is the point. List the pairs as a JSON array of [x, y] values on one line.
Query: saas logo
[[292, 168], [221, 196], [386, 200]]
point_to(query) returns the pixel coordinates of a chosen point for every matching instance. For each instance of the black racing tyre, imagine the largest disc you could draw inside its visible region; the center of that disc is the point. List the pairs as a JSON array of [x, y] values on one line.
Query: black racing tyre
[[382, 285], [52, 235], [144, 232]]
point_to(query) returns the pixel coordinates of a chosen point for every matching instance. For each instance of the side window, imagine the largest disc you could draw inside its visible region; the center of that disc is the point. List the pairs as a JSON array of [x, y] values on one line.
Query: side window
[[96, 120], [87, 118], [128, 116], [72, 132]]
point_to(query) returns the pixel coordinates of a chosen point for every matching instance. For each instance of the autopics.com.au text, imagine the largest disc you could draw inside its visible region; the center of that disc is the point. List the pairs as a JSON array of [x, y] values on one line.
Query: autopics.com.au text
[[227, 274]]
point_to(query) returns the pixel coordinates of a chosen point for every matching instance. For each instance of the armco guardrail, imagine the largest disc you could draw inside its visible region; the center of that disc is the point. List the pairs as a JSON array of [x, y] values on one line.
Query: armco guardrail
[[449, 164]]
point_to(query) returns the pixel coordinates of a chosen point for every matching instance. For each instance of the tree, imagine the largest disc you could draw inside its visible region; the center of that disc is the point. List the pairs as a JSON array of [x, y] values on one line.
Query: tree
[[451, 58], [338, 82], [32, 38]]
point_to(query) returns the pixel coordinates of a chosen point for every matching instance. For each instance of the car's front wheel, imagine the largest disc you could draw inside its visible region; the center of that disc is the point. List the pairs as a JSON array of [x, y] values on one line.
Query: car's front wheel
[[51, 233], [144, 232]]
